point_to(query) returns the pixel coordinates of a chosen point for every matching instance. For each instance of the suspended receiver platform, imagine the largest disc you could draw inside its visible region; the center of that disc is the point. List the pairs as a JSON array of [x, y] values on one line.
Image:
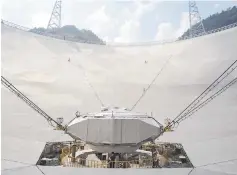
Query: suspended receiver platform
[[115, 130]]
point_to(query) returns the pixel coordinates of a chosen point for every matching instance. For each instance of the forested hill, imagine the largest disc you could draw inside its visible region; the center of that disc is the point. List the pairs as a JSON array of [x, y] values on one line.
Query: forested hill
[[218, 20], [70, 31], [215, 21]]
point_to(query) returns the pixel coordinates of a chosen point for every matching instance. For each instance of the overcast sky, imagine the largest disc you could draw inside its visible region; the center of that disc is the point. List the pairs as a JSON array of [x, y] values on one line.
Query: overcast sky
[[119, 21]]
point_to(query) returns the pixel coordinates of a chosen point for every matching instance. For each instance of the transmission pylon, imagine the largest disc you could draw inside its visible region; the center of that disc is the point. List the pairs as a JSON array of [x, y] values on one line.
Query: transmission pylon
[[195, 21], [55, 18]]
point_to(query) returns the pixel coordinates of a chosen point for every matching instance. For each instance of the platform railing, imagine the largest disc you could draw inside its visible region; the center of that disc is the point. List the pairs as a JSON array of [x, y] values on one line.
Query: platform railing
[[67, 161], [85, 163], [73, 39], [175, 40], [212, 31]]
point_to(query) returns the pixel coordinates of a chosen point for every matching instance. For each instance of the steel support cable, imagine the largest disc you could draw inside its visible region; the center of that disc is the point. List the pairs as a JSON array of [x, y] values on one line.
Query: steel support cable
[[202, 104], [216, 163], [207, 100], [13, 89], [91, 86], [227, 72], [89, 83], [20, 95], [151, 83], [40, 169], [17, 168], [24, 98], [30, 104], [95, 92]]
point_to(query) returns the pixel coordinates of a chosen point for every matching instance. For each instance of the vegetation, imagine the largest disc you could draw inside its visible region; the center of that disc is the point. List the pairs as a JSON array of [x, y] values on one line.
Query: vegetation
[[212, 22], [218, 20], [70, 32]]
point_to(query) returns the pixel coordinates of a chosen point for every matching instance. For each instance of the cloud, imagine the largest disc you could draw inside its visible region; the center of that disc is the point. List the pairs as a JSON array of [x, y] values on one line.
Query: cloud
[[130, 29], [102, 23], [38, 19], [119, 21], [167, 31], [27, 12], [98, 20], [216, 6], [120, 24], [184, 24]]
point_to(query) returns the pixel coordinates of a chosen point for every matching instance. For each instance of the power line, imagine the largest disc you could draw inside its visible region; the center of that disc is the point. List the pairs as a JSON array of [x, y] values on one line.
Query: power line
[[151, 83]]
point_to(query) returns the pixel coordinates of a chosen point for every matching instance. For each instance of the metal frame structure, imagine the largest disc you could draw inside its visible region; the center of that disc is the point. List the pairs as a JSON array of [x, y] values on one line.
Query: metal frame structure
[[195, 20], [69, 38], [55, 18]]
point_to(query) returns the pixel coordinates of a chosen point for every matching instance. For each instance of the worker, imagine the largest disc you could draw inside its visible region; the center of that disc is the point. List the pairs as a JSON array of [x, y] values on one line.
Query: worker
[[116, 163], [156, 162], [112, 159], [77, 114], [168, 123], [69, 59]]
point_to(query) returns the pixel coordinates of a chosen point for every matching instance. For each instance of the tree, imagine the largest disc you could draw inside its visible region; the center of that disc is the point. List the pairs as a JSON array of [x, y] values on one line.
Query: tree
[[218, 20]]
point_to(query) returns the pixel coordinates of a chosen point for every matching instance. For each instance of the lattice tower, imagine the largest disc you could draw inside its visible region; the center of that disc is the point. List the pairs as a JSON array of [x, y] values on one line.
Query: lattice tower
[[55, 18], [195, 20]]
